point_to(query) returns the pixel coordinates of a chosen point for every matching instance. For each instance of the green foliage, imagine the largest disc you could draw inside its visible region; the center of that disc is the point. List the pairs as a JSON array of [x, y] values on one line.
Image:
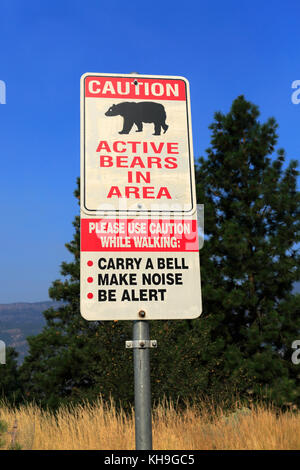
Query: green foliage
[[15, 446], [3, 430], [250, 260], [10, 386]]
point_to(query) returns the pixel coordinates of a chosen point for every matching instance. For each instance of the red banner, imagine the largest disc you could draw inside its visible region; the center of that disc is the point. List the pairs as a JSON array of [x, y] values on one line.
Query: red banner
[[135, 88], [139, 235]]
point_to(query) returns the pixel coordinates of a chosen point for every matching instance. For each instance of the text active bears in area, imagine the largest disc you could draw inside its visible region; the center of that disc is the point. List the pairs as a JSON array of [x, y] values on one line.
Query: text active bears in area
[[138, 147], [135, 151], [112, 156]]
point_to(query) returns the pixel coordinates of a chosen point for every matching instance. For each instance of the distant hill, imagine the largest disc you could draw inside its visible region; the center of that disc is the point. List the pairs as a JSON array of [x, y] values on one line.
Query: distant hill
[[20, 320]]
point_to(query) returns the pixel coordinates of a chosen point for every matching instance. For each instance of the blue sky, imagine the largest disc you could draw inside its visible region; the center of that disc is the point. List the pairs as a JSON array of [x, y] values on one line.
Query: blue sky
[[224, 49]]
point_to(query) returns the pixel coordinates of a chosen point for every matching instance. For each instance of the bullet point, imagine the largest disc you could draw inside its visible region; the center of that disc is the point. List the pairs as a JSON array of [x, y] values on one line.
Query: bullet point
[[90, 279], [90, 263], [90, 295]]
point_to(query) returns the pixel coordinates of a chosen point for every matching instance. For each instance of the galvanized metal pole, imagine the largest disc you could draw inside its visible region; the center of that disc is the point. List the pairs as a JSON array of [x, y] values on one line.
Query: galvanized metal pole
[[142, 387]]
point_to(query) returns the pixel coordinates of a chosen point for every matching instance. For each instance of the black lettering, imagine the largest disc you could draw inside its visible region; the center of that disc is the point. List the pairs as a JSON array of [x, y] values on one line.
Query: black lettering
[[129, 263], [132, 279], [112, 295], [102, 279], [162, 293], [135, 297], [161, 263], [146, 279], [100, 263], [182, 265], [143, 294], [149, 264], [170, 263], [113, 280], [162, 279], [125, 295], [102, 295], [120, 263], [109, 295], [153, 294], [178, 279], [156, 279]]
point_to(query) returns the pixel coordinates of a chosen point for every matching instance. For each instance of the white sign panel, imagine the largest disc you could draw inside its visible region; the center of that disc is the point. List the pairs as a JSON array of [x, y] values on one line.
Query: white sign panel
[[139, 243]]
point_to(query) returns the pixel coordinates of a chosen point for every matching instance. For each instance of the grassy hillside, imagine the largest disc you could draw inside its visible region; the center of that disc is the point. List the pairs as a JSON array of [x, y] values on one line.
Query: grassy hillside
[[101, 427]]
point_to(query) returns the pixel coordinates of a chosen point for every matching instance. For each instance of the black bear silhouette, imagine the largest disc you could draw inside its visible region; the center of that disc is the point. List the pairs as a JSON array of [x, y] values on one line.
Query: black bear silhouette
[[137, 113]]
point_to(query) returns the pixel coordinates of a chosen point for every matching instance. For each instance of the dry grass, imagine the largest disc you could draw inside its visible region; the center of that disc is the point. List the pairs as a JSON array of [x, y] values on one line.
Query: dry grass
[[102, 427]]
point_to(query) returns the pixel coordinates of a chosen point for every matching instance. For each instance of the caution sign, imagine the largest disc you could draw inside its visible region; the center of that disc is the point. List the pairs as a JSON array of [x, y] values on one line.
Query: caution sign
[[139, 238]]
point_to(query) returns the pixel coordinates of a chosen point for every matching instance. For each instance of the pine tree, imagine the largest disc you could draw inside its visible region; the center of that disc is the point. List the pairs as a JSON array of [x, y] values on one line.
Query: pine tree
[[10, 387], [250, 259]]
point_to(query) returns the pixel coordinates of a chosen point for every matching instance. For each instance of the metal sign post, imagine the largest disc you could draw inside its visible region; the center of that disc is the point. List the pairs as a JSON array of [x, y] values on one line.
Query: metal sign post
[[2, 353], [142, 387], [141, 344]]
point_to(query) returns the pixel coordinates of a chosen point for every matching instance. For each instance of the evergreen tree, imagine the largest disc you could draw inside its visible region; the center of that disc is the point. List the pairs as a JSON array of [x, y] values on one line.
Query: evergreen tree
[[10, 388], [250, 260]]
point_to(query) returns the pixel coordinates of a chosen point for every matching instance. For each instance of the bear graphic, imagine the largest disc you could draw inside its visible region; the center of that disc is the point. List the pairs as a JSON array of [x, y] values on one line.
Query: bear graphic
[[137, 113]]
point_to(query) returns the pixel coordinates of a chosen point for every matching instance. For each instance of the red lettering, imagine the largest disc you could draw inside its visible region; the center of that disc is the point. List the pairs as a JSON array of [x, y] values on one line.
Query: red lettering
[[133, 146], [106, 161], [114, 191], [116, 144], [148, 192], [171, 147], [137, 161], [159, 149], [169, 163], [103, 145], [146, 177], [132, 190], [154, 160], [122, 161], [120, 87], [163, 192]]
